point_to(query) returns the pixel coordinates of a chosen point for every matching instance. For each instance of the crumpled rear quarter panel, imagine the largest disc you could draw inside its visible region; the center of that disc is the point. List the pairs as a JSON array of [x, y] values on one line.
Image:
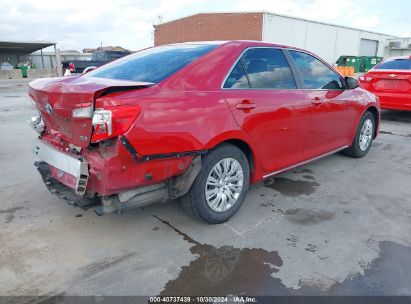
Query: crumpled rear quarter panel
[[113, 169]]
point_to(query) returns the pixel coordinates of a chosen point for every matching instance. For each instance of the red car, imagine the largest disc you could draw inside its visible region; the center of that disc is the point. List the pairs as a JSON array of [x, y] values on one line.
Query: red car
[[200, 121], [390, 80]]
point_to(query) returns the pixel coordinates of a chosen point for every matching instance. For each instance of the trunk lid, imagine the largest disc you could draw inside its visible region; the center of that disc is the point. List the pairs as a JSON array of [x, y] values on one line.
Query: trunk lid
[[56, 98], [395, 81]]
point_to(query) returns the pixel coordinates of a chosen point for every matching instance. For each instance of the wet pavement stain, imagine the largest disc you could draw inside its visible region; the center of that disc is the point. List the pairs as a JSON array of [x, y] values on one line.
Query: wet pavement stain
[[278, 211], [291, 187], [308, 216], [270, 203], [104, 264], [223, 271], [386, 132], [303, 171], [309, 177], [389, 274], [292, 240], [311, 248], [10, 213], [391, 133]]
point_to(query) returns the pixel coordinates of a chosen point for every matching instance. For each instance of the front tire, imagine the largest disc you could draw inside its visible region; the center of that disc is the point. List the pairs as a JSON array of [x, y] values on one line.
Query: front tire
[[221, 186], [363, 138]]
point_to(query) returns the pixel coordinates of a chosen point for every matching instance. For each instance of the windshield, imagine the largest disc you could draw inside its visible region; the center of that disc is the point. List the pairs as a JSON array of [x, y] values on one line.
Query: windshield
[[396, 64], [154, 64]]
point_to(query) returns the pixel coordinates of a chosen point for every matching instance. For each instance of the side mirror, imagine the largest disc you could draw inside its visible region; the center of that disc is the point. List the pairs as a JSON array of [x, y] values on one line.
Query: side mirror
[[352, 83]]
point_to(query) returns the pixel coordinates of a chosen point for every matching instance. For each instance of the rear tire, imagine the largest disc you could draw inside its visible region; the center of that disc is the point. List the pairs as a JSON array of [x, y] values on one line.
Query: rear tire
[[363, 138], [221, 186]]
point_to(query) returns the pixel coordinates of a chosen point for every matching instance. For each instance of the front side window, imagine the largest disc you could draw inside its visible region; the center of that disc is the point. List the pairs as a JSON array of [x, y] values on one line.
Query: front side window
[[261, 68], [314, 73], [395, 64], [154, 64]]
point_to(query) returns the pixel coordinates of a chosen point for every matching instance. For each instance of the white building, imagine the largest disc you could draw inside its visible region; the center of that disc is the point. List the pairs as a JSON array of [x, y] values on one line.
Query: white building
[[399, 47], [329, 41]]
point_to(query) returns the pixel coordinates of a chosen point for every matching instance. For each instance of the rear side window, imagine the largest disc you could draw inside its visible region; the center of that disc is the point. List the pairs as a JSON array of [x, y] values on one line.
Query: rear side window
[[396, 64], [152, 65], [314, 73], [261, 68], [237, 78]]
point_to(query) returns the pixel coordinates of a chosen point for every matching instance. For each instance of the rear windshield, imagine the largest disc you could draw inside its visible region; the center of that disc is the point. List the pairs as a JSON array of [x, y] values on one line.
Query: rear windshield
[[396, 64], [152, 65]]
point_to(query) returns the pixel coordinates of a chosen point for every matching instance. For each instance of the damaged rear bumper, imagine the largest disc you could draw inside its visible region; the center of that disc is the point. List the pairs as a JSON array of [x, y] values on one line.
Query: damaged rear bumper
[[65, 164], [62, 191], [125, 200]]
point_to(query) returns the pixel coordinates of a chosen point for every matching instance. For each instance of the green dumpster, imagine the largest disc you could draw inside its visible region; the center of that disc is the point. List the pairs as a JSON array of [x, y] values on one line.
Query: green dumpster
[[370, 62], [23, 69], [361, 64], [349, 61]]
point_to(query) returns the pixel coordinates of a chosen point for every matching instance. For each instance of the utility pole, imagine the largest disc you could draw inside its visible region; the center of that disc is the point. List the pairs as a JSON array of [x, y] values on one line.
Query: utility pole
[[58, 61]]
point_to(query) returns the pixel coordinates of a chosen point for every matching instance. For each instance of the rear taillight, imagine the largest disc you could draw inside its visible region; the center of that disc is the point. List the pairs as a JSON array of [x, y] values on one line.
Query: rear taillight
[[365, 78], [102, 124], [113, 121]]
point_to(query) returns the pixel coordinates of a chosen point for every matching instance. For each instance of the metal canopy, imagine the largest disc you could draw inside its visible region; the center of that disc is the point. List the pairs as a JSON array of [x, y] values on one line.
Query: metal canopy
[[11, 47]]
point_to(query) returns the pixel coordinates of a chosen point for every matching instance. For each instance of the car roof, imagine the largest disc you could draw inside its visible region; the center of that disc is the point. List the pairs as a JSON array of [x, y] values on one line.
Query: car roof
[[398, 57], [248, 44], [237, 42]]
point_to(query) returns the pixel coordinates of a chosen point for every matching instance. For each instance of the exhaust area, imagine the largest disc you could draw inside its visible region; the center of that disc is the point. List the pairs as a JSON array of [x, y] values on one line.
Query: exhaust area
[[135, 198]]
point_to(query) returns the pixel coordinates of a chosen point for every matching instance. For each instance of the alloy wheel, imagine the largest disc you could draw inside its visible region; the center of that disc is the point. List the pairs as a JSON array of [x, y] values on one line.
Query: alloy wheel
[[224, 184], [366, 134]]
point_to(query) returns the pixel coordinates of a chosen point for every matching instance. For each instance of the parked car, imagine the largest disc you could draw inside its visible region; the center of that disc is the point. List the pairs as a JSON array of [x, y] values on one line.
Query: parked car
[[98, 58], [391, 82], [200, 121]]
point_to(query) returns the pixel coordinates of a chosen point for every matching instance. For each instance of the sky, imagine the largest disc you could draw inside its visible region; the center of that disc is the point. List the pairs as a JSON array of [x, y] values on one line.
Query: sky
[[77, 24]]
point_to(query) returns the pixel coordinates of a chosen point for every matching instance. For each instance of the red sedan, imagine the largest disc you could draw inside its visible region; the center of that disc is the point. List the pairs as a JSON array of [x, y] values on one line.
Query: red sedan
[[391, 82], [200, 121]]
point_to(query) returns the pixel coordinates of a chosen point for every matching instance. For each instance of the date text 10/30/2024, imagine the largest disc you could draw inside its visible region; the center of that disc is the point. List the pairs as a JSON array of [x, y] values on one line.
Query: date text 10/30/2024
[[205, 299]]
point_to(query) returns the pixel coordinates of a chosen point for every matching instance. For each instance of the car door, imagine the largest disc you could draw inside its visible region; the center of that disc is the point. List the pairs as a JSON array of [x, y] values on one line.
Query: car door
[[263, 96], [333, 109]]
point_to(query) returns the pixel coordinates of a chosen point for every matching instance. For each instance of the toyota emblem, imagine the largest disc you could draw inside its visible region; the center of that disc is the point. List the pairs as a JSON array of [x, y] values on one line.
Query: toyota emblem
[[48, 108]]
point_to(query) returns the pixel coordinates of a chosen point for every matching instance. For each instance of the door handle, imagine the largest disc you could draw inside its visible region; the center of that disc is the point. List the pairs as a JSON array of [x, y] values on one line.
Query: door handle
[[246, 105], [316, 101]]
